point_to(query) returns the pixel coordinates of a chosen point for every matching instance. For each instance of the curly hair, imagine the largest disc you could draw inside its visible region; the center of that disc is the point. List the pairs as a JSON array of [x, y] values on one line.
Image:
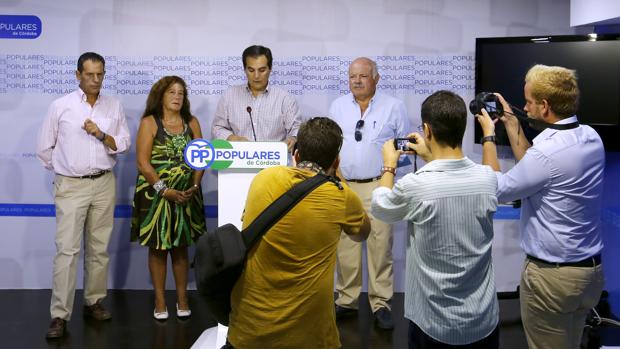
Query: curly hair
[[319, 140], [154, 102]]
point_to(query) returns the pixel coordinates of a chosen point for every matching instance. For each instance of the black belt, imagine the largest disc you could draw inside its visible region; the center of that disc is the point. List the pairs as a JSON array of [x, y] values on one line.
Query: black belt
[[367, 180], [585, 263], [92, 176]]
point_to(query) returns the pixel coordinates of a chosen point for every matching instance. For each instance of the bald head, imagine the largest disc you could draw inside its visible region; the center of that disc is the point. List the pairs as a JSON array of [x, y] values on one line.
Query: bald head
[[363, 78]]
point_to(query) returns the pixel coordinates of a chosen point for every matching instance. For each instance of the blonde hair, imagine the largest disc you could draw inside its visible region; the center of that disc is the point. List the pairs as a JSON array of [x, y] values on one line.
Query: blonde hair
[[557, 85]]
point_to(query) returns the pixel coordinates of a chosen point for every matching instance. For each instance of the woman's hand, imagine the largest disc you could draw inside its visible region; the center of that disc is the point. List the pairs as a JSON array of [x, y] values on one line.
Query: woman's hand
[[192, 190], [176, 196]]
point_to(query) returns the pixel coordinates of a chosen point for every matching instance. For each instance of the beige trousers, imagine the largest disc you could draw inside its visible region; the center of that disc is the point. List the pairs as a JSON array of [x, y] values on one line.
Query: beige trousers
[[83, 207], [379, 253], [555, 302]]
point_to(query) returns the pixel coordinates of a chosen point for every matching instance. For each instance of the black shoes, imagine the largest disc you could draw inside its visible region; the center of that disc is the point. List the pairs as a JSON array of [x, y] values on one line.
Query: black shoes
[[343, 312], [383, 318]]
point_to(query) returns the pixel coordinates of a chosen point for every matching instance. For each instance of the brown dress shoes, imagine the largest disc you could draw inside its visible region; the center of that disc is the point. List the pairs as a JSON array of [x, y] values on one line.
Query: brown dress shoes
[[97, 311], [57, 328]]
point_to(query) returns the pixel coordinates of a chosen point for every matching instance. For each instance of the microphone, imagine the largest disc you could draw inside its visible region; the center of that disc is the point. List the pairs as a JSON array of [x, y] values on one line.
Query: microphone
[[249, 110]]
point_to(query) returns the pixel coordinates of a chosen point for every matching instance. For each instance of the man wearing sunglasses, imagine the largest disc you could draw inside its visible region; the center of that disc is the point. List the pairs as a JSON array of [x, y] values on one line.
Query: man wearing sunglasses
[[368, 118]]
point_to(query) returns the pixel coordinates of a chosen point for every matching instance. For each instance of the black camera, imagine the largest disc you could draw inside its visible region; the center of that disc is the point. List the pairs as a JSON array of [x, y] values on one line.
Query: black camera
[[401, 143], [489, 102]]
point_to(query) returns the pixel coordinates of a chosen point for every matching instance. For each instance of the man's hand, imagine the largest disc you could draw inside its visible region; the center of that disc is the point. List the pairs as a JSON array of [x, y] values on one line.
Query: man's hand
[[235, 138], [486, 123], [390, 155], [510, 121], [420, 147], [92, 129], [290, 143]]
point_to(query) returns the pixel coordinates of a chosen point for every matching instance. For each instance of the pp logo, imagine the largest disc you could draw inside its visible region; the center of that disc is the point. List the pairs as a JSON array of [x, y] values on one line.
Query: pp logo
[[199, 154]]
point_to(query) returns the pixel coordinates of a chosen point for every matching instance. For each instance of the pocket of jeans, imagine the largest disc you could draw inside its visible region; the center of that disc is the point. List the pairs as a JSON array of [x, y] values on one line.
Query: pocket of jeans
[[56, 184], [60, 187], [527, 275]]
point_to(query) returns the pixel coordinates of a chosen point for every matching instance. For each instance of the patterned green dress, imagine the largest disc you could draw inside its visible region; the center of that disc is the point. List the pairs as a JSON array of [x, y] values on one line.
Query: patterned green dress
[[157, 222]]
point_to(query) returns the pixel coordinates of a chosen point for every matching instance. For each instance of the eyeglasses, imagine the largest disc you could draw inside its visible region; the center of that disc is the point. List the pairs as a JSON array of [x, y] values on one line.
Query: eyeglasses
[[358, 127]]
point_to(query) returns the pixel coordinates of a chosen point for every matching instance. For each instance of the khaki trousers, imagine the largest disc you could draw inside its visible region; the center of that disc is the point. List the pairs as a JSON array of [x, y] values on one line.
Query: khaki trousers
[[379, 253], [555, 302], [83, 207]]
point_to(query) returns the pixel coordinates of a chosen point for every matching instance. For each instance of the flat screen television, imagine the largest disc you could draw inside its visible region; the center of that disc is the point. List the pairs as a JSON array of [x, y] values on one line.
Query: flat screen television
[[501, 64]]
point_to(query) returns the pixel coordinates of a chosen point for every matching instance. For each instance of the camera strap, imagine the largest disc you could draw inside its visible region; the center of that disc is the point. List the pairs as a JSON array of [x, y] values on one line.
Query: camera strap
[[540, 125]]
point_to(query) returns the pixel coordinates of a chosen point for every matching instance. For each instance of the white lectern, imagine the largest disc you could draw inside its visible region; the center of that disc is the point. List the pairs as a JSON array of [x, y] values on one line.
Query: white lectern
[[234, 181], [236, 167]]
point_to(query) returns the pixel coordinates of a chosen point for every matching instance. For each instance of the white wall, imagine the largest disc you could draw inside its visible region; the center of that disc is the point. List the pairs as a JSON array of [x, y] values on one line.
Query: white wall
[[217, 31], [588, 12]]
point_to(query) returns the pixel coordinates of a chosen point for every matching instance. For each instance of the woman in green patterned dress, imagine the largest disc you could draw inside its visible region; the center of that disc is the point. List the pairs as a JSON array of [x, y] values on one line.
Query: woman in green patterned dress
[[168, 210]]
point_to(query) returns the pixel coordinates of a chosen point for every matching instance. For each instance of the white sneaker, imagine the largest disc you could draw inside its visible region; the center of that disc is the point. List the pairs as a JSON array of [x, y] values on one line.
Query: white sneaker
[[183, 313], [161, 315]]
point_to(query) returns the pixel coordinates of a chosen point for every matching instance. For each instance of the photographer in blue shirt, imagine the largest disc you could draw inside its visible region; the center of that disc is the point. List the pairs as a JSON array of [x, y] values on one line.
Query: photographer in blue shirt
[[559, 179]]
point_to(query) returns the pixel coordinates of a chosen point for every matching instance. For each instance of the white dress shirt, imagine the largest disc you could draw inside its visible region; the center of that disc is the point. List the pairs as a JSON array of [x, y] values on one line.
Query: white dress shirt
[[64, 146], [385, 118]]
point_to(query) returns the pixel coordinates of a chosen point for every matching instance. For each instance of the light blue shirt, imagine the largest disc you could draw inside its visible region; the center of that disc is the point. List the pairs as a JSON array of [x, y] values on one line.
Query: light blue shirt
[[385, 118], [560, 183], [449, 282]]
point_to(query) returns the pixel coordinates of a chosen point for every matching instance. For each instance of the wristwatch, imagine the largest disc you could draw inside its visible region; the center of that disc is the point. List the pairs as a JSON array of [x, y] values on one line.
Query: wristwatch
[[488, 139], [389, 169], [159, 186]]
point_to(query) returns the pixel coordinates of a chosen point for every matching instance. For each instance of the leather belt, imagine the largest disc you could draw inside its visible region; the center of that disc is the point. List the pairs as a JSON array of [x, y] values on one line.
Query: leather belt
[[585, 263], [92, 176], [367, 180]]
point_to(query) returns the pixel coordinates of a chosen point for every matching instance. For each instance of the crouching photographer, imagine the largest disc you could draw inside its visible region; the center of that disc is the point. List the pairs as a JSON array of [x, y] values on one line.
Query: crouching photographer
[[559, 179], [284, 295]]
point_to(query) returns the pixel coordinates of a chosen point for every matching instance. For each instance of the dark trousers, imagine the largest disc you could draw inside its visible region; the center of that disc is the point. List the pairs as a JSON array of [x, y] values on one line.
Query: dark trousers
[[227, 346], [420, 340]]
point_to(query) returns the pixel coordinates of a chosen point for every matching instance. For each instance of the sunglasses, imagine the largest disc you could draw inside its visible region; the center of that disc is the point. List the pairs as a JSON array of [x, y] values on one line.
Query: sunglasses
[[358, 132]]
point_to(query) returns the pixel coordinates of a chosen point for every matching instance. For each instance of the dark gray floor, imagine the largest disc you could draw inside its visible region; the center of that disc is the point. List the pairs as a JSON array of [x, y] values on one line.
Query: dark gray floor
[[132, 326], [26, 318]]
